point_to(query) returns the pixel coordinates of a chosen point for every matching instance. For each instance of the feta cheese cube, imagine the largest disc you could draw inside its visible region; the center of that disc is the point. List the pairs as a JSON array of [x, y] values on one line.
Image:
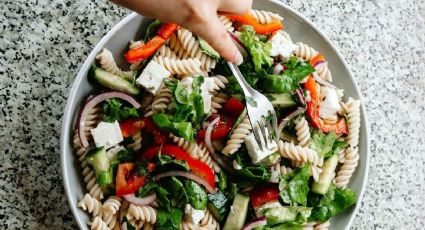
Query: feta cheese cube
[[206, 98], [330, 105], [282, 46], [107, 134], [193, 215], [271, 204], [208, 84], [254, 150], [152, 77]]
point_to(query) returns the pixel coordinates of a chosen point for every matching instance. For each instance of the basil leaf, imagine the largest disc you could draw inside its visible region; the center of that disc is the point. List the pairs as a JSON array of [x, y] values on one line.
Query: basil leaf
[[164, 160], [177, 195], [168, 219], [196, 194], [146, 189]]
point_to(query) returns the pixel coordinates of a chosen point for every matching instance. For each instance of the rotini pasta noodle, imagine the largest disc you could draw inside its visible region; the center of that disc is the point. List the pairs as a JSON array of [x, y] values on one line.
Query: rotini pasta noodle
[[141, 213], [98, 224], [191, 44], [166, 51], [346, 171], [228, 24], [298, 153], [304, 51], [265, 17], [217, 101], [160, 102], [177, 47], [111, 205], [352, 107], [107, 62], [180, 66], [137, 142], [209, 221], [303, 132], [323, 71], [91, 205], [238, 137]]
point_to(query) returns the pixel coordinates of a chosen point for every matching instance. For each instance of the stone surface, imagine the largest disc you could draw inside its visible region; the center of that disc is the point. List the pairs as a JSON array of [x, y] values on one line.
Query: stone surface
[[44, 43]]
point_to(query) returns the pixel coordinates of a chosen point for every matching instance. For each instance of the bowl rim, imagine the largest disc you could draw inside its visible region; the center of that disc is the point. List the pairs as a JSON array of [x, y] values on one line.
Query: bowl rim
[[68, 116]]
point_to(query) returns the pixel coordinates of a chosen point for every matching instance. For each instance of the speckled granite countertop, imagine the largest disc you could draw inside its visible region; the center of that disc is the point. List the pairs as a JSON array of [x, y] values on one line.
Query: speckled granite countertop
[[43, 44]]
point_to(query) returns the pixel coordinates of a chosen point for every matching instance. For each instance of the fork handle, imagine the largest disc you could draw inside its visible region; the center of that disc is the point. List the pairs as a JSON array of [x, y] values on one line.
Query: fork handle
[[239, 77]]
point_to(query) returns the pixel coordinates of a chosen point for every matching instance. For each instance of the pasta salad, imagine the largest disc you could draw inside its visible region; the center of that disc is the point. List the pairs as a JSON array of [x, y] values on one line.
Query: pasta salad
[[167, 143]]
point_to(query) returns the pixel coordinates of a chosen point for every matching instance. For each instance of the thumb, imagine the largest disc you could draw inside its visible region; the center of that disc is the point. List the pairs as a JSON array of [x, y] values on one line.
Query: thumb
[[216, 35]]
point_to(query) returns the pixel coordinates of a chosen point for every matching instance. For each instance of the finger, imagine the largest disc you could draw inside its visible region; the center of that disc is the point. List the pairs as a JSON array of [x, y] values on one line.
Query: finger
[[216, 35], [235, 6]]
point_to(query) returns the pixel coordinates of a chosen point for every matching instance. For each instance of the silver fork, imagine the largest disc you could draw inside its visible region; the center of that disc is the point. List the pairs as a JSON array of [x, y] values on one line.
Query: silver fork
[[260, 110]]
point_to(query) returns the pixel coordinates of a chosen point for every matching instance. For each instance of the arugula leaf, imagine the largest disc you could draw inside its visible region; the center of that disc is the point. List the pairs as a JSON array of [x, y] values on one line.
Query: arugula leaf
[[197, 196], [323, 143], [181, 129], [254, 173], [332, 203], [259, 50], [114, 110], [151, 30], [206, 48], [294, 189], [168, 219], [146, 189]]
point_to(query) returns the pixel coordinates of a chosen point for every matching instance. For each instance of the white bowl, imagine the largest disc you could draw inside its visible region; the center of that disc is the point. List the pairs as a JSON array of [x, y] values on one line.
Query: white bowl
[[133, 26]]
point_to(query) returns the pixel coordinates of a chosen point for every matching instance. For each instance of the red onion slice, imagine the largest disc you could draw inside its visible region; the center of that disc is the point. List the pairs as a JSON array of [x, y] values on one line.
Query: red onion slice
[[92, 103], [208, 132], [277, 69], [239, 44], [301, 96], [316, 64], [256, 223], [140, 201], [322, 81], [188, 175]]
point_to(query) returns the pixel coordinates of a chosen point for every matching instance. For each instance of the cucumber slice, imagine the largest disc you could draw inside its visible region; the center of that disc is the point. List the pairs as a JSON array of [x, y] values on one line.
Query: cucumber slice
[[237, 214], [206, 48], [281, 100], [325, 178], [114, 82]]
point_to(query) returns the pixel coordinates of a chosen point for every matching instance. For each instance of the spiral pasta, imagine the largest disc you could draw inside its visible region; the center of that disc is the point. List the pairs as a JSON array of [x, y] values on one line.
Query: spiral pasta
[[98, 224], [209, 221], [303, 132], [137, 142], [323, 71], [217, 101], [175, 45], [186, 225], [111, 220], [304, 51], [228, 24], [180, 66], [278, 170], [265, 17], [298, 153], [220, 83], [107, 62], [191, 44], [352, 107], [160, 102], [238, 137], [111, 205], [141, 213], [166, 51], [91, 205], [346, 171]]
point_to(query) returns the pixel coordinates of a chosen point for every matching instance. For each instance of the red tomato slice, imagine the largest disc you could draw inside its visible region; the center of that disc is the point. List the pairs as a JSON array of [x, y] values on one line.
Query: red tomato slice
[[233, 107], [131, 126], [197, 167], [126, 181], [264, 194]]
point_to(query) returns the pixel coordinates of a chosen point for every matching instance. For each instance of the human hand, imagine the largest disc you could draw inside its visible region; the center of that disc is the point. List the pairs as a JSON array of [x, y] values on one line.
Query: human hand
[[198, 16]]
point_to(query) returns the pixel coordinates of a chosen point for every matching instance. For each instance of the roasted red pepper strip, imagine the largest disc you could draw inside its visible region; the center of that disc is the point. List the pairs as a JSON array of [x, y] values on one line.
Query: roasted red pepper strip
[[127, 181], [167, 29], [264, 194], [317, 60], [132, 126], [248, 19], [144, 51], [313, 111], [197, 167]]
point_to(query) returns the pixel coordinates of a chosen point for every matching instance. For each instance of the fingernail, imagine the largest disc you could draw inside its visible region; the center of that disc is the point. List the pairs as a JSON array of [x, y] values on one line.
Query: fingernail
[[238, 59]]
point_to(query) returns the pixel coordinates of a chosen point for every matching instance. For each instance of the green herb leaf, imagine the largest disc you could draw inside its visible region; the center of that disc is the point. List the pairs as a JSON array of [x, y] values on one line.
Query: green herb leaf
[[254, 173], [142, 168], [146, 189], [177, 195], [164, 160], [152, 29], [259, 50], [162, 196], [196, 194], [286, 214], [181, 129], [331, 204], [323, 143], [114, 110], [168, 219], [222, 181], [294, 189], [251, 101]]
